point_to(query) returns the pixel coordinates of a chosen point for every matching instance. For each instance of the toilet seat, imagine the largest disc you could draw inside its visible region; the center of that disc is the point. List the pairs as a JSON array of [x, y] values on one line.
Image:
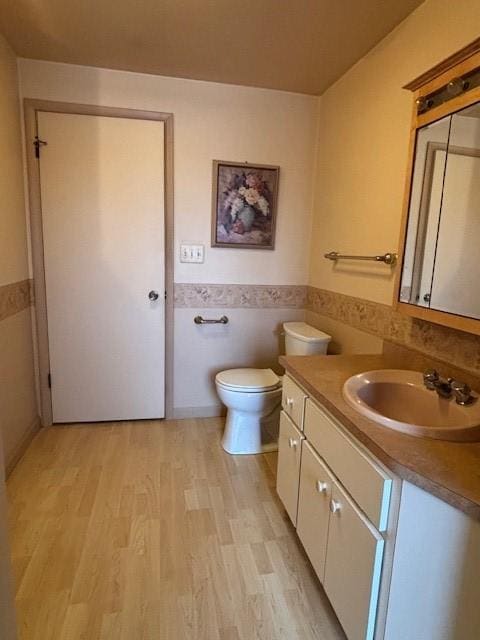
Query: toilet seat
[[248, 380]]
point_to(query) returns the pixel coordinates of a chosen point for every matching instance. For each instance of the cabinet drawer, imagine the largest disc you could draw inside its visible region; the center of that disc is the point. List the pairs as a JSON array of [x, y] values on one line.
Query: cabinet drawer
[[293, 401], [353, 567], [314, 497], [288, 468], [366, 481]]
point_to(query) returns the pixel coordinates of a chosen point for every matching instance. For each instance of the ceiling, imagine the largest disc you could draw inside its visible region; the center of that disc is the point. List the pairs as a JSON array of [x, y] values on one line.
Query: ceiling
[[294, 45]]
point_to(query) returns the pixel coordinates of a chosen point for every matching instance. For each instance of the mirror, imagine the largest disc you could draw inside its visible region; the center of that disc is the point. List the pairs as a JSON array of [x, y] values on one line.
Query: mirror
[[441, 261]]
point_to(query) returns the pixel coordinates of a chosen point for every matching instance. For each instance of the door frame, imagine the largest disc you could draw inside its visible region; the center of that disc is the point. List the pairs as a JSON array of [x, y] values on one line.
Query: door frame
[[31, 108]]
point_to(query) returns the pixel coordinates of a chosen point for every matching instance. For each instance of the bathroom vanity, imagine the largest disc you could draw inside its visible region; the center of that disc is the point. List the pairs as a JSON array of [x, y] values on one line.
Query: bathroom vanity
[[390, 522]]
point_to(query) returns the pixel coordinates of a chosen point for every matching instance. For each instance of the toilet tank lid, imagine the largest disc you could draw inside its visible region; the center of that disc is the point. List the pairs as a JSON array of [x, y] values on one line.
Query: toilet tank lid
[[305, 332], [248, 379]]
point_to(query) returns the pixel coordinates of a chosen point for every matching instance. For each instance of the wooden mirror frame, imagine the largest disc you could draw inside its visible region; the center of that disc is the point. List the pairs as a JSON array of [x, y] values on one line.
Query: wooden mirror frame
[[464, 61]]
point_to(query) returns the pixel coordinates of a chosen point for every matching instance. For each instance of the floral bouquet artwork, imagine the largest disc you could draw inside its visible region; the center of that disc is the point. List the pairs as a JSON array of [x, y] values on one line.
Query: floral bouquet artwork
[[244, 205]]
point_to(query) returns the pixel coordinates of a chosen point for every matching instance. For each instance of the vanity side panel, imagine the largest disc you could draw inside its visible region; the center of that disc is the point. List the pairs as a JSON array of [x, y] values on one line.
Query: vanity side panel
[[435, 587]]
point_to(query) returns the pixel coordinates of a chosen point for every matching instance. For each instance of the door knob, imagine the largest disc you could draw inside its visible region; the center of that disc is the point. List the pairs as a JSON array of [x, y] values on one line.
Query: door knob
[[292, 443], [153, 295]]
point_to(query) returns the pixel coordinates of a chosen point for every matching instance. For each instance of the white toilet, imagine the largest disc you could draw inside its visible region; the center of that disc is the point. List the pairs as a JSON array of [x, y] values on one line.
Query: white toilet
[[253, 396]]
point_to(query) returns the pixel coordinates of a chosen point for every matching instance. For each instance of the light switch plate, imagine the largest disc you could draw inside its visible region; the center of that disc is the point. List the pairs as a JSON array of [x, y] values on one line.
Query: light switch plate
[[192, 253]]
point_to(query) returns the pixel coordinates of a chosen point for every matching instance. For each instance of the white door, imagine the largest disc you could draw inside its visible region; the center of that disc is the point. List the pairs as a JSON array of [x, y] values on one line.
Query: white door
[[102, 194]]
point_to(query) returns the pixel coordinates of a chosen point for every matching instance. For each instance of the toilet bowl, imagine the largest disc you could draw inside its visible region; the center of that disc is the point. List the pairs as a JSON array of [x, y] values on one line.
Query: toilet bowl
[[252, 397]]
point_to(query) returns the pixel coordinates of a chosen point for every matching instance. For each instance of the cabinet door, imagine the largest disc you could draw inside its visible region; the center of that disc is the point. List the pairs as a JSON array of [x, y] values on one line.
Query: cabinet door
[[314, 507], [288, 470], [353, 567], [293, 401]]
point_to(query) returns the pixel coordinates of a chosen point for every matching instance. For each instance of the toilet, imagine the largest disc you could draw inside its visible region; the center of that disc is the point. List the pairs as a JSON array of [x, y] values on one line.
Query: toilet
[[253, 396]]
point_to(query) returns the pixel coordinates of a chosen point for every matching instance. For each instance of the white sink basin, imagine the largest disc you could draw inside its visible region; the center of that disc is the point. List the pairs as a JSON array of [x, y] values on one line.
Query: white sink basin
[[398, 400]]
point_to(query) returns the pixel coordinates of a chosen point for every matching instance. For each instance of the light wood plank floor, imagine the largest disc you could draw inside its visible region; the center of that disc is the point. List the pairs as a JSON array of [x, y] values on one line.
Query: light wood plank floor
[[148, 530]]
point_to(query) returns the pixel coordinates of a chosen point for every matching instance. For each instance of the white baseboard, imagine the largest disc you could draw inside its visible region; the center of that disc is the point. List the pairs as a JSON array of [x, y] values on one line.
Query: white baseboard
[[212, 411]]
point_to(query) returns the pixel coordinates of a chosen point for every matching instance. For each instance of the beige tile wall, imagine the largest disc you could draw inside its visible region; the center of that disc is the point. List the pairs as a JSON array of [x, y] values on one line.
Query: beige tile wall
[[15, 297], [245, 296], [356, 325], [380, 321]]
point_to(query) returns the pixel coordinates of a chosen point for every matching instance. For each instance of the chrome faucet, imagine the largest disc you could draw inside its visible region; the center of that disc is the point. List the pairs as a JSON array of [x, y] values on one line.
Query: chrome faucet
[[445, 387], [433, 381], [430, 377], [463, 393]]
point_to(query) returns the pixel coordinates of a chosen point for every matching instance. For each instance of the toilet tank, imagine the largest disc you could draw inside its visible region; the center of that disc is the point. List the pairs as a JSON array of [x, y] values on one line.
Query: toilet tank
[[303, 340]]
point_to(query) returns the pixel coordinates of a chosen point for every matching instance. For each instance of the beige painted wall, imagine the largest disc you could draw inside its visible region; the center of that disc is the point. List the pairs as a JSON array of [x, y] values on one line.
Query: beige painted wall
[[362, 146], [226, 122], [13, 248], [211, 121], [357, 182], [18, 410]]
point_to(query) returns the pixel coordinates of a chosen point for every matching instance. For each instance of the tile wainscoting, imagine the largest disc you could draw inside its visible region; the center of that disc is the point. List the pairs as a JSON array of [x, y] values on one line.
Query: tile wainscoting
[[380, 320], [236, 296], [447, 346], [15, 297], [442, 343]]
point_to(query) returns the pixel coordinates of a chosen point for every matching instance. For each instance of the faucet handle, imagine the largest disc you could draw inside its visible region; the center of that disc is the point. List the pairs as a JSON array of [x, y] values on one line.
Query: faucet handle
[[430, 377], [462, 392], [457, 385]]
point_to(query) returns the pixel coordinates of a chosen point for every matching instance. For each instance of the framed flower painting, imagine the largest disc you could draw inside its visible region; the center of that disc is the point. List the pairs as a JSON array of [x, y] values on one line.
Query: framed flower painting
[[244, 205]]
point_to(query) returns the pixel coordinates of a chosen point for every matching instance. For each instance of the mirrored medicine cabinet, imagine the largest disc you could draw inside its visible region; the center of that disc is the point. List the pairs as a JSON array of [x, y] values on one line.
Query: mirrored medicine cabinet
[[439, 272]]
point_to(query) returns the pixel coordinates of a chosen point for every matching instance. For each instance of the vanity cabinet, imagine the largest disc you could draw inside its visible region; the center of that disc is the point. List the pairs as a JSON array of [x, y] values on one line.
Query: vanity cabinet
[[338, 498], [396, 561]]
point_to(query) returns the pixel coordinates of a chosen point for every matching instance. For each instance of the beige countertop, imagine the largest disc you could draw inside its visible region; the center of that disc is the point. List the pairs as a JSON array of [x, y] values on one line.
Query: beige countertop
[[448, 470]]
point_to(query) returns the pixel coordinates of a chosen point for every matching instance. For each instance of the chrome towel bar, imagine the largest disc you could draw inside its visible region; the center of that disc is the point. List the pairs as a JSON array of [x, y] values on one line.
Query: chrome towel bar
[[200, 320], [387, 258]]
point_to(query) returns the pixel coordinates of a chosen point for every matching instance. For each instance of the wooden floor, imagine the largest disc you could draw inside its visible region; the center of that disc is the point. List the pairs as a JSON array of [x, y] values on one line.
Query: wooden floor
[[149, 530]]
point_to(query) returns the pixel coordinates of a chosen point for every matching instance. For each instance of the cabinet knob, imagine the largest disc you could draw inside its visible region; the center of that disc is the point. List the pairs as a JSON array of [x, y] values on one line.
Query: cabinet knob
[[321, 486], [335, 506], [289, 402], [292, 443]]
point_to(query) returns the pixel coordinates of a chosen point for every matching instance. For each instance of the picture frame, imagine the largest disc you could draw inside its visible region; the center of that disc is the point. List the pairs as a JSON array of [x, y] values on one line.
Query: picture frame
[[244, 205]]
